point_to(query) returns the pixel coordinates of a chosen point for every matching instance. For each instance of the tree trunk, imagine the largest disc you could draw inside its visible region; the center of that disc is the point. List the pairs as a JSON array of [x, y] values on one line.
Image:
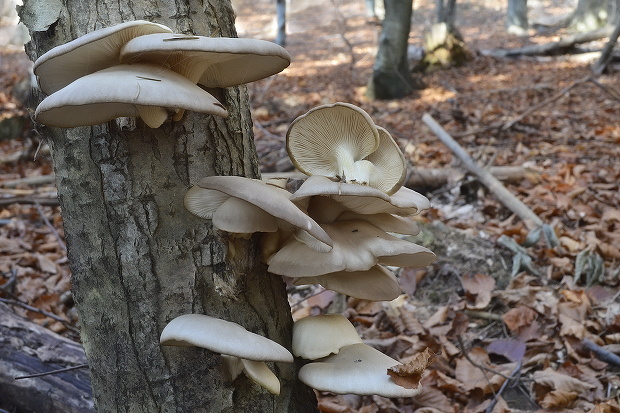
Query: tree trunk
[[391, 77], [138, 257], [446, 13], [517, 17], [281, 22], [592, 14]]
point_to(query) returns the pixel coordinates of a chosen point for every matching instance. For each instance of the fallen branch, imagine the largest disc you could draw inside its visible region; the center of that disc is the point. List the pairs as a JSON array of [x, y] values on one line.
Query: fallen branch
[[44, 201], [27, 349], [562, 45], [493, 184], [601, 353], [29, 181], [606, 55], [432, 177]]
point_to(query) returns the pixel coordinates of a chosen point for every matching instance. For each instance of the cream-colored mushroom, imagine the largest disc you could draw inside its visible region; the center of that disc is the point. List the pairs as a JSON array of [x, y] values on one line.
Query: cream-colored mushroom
[[140, 90], [319, 336], [245, 351], [242, 205], [357, 246], [355, 369], [209, 61], [88, 54]]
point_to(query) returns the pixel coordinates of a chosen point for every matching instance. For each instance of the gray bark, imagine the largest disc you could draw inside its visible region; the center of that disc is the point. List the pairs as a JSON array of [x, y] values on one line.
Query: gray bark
[[446, 12], [517, 22], [138, 257], [592, 14], [281, 22], [391, 77]]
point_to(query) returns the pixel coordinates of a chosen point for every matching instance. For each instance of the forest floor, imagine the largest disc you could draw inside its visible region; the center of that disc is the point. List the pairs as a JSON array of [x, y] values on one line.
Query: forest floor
[[544, 331]]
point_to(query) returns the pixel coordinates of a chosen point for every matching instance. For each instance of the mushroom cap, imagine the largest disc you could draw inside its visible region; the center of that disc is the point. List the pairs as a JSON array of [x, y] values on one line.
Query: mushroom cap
[[328, 140], [209, 61], [221, 336], [356, 369], [269, 198], [390, 167], [357, 198], [125, 90], [357, 246], [87, 54], [319, 336], [375, 284], [258, 372]]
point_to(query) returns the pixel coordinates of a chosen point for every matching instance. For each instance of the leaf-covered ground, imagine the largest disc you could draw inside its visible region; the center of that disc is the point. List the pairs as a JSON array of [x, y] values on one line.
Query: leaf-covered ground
[[539, 340]]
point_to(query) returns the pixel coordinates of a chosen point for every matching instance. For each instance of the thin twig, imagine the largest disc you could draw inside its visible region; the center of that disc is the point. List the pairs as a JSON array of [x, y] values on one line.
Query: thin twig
[[490, 407], [43, 312], [601, 353], [51, 227], [47, 373], [459, 339]]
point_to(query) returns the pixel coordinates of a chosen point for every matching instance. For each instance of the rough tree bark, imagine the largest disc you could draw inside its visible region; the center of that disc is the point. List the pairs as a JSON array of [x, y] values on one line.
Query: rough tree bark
[[391, 77], [138, 257]]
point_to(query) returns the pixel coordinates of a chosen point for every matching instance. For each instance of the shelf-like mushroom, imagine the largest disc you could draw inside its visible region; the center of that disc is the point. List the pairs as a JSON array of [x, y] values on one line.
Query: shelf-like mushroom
[[355, 369], [87, 54], [136, 90], [245, 351], [209, 61], [242, 205], [319, 336], [376, 284], [357, 246], [317, 193]]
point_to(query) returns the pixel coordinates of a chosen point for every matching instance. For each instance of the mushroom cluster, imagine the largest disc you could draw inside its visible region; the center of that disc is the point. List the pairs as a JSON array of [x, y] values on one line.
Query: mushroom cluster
[[142, 69], [340, 362], [336, 229]]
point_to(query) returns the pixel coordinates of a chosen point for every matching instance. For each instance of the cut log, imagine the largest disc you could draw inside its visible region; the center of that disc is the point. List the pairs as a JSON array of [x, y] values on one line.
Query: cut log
[[26, 349]]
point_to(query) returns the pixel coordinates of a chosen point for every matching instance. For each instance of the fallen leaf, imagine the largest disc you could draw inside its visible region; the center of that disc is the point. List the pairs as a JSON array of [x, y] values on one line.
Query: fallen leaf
[[557, 399], [408, 375], [479, 288], [513, 350], [519, 317]]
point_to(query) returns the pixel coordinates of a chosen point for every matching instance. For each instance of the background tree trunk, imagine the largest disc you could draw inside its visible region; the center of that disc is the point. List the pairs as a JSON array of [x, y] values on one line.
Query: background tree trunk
[[138, 257], [516, 16], [391, 77], [446, 13], [592, 14], [281, 22]]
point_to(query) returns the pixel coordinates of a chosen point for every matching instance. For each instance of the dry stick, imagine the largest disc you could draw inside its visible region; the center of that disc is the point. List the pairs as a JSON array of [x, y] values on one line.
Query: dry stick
[[29, 180], [490, 407], [493, 184], [459, 339], [606, 55], [43, 312], [47, 373], [601, 353], [51, 227]]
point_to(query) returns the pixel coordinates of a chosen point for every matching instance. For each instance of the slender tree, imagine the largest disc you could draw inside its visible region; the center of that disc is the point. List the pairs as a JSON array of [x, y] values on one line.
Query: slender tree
[[391, 77], [138, 257]]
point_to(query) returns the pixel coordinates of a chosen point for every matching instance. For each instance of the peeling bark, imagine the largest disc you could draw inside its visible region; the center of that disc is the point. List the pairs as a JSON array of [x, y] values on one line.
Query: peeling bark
[[138, 257]]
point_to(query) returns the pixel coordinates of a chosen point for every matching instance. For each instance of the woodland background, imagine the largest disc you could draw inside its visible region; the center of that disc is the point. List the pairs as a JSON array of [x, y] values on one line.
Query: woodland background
[[538, 335]]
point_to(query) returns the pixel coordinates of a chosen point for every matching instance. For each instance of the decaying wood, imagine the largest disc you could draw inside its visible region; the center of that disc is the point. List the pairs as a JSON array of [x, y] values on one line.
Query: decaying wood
[[560, 46], [26, 349], [484, 176], [431, 177]]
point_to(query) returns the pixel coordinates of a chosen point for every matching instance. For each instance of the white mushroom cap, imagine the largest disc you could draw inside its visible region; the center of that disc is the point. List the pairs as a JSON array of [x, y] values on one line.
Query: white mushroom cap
[[357, 246], [356, 369], [356, 198], [269, 206], [319, 336], [385, 222], [390, 168], [125, 90], [375, 284], [88, 54], [209, 61], [221, 336], [331, 140]]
